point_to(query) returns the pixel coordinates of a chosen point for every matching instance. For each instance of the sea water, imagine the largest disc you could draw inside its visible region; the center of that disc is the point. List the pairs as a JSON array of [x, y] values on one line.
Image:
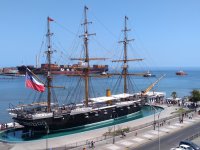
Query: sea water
[[14, 92]]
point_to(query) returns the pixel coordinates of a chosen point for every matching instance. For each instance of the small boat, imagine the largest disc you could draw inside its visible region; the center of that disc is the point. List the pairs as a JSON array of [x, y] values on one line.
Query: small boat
[[103, 73], [10, 71], [181, 73], [148, 74]]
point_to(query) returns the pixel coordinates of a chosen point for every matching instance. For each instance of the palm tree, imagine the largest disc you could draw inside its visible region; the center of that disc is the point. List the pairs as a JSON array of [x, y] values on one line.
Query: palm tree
[[195, 96], [174, 95]]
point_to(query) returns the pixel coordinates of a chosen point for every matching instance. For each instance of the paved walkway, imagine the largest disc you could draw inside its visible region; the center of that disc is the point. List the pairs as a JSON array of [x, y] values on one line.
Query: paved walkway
[[120, 143], [135, 141]]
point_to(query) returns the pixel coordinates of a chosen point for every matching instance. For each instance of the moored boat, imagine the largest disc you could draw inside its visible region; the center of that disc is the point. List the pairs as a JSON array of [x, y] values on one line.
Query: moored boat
[[148, 74], [64, 69], [181, 73], [51, 116], [10, 71]]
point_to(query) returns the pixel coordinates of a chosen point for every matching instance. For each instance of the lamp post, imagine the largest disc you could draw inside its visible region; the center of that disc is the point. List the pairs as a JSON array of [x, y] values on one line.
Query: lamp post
[[159, 131], [114, 116], [154, 122], [47, 132]]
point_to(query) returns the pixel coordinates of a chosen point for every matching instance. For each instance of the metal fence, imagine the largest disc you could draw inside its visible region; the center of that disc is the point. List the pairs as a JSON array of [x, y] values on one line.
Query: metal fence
[[193, 137], [104, 139]]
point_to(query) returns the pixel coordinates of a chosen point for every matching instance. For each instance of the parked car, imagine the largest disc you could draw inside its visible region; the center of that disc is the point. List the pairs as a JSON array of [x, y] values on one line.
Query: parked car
[[185, 147], [189, 143], [176, 148]]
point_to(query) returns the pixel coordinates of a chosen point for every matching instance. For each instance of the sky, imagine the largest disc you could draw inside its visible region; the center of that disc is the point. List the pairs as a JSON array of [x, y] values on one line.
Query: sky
[[166, 33]]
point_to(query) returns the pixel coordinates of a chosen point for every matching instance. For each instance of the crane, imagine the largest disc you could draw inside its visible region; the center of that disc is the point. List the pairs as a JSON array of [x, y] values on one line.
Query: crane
[[151, 86]]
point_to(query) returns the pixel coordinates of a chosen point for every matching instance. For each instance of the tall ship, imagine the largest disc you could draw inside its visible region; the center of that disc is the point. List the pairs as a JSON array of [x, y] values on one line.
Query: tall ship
[[52, 116]]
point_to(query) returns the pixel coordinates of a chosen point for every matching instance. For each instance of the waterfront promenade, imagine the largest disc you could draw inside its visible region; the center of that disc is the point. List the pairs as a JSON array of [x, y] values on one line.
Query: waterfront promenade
[[132, 139]]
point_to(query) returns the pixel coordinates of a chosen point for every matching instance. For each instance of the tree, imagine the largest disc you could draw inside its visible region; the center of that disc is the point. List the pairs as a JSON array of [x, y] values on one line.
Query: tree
[[174, 95], [195, 96]]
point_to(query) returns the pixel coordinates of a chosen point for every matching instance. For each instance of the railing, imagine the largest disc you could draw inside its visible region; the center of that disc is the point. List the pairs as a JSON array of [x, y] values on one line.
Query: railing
[[82, 143], [107, 138], [193, 137]]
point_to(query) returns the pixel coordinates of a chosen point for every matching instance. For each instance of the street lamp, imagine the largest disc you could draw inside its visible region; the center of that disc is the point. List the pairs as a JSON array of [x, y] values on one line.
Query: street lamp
[[159, 131], [47, 132], [114, 115], [154, 122]]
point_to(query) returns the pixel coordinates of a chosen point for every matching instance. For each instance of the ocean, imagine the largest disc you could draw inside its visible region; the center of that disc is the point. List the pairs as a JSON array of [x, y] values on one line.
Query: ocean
[[14, 92]]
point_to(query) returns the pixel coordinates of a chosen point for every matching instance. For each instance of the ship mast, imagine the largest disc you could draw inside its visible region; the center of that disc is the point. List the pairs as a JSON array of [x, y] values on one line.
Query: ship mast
[[49, 53], [86, 59], [125, 42], [87, 68], [125, 60]]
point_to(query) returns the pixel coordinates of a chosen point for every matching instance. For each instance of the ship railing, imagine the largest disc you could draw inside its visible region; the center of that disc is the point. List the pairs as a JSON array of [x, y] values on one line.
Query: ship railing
[[24, 115], [69, 107], [57, 113], [19, 108], [65, 111], [79, 110], [40, 115], [13, 109]]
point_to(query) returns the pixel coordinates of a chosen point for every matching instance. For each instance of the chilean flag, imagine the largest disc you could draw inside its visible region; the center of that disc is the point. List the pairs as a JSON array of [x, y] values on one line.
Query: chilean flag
[[32, 83]]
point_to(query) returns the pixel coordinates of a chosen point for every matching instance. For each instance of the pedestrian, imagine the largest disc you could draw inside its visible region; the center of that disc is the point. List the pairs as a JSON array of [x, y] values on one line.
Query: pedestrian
[[122, 133], [87, 143], [92, 144], [169, 123], [135, 133], [6, 125]]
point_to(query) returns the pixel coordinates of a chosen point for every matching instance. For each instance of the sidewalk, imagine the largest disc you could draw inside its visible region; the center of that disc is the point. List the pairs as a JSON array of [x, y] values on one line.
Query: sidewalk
[[129, 141], [135, 141]]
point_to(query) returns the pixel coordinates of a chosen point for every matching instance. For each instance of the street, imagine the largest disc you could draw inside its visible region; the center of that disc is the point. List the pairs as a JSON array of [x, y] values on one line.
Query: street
[[171, 140]]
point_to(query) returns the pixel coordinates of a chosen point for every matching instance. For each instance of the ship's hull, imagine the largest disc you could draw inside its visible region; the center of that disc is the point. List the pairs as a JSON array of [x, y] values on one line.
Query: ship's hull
[[149, 75], [67, 121], [65, 71], [181, 73]]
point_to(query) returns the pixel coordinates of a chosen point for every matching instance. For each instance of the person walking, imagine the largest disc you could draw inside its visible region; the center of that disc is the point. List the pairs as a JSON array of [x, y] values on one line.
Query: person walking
[[92, 144]]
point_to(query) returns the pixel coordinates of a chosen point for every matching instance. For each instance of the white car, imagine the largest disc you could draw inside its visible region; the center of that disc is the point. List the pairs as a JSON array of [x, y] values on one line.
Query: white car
[[176, 148], [185, 147]]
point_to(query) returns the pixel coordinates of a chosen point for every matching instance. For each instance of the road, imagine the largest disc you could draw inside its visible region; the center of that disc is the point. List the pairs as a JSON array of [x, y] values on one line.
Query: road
[[171, 140]]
